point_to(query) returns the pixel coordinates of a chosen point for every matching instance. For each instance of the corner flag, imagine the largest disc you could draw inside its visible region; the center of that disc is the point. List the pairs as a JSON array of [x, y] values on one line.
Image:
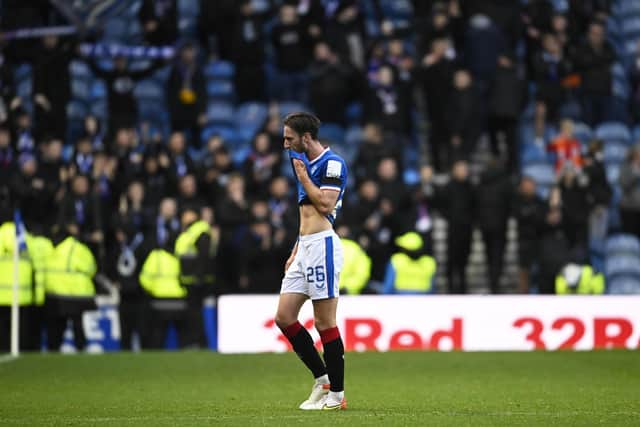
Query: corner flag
[[20, 246]]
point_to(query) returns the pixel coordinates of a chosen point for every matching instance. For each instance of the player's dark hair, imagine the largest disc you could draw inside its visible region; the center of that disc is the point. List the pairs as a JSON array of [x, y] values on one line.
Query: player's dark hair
[[302, 123]]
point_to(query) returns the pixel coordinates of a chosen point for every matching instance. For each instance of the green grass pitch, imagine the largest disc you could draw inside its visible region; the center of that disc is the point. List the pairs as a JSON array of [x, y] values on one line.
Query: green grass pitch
[[389, 389]]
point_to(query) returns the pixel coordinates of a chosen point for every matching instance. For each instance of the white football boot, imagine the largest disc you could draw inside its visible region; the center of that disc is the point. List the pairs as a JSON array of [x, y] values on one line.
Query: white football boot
[[318, 392]]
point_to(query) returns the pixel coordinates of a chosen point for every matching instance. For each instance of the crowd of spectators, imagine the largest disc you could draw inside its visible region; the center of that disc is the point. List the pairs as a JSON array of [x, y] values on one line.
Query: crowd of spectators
[[469, 70]]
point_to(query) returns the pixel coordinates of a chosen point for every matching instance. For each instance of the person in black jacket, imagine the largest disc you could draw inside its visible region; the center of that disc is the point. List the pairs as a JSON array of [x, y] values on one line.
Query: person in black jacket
[[550, 67], [121, 82], [52, 87], [159, 19], [463, 116], [599, 192], [506, 99], [131, 225], [329, 85], [593, 60], [248, 53], [530, 212], [186, 94], [492, 201]]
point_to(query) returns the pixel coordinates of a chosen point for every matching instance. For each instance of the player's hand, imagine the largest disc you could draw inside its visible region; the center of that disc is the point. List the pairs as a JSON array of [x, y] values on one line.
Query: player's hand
[[300, 169]]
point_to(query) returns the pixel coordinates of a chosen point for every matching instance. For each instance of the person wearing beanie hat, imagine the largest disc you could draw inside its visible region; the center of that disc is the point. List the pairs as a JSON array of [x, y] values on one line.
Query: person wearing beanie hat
[[410, 270]]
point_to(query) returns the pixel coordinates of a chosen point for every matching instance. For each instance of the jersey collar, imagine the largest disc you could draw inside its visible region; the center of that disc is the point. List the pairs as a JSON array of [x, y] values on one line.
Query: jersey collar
[[325, 151]]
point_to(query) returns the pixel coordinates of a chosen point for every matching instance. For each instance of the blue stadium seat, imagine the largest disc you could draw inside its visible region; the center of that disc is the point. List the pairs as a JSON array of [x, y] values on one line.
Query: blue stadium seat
[[220, 89], [613, 173], [22, 72], [560, 6], [289, 107], [188, 7], [620, 88], [24, 88], [251, 114], [149, 89], [220, 113], [80, 88], [240, 154], [615, 152], [227, 133], [354, 112], [99, 109], [630, 25], [542, 173], [98, 90], [353, 136], [115, 30], [219, 70], [583, 132], [623, 286], [332, 133], [622, 266], [411, 177], [77, 110], [613, 131], [636, 133], [532, 154], [623, 244], [79, 70]]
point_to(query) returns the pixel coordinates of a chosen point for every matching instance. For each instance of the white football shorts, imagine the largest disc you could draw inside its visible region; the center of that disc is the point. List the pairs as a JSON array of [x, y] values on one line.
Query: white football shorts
[[315, 270]]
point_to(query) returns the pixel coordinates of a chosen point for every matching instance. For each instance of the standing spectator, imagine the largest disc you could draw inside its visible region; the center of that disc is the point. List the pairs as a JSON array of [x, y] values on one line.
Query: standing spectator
[[215, 170], [435, 76], [233, 217], [345, 29], [455, 200], [292, 45], [492, 202], [634, 78], [186, 93], [8, 163], [178, 159], [329, 85], [530, 212], [159, 19], [483, 43], [7, 89], [23, 132], [248, 53], [550, 67], [261, 166], [599, 193], [188, 197], [131, 224], [566, 148], [155, 177], [386, 104], [216, 21], [52, 86], [463, 116], [283, 210], [630, 185], [30, 192], [121, 82], [593, 60], [575, 208], [371, 150], [82, 208], [583, 12], [507, 97]]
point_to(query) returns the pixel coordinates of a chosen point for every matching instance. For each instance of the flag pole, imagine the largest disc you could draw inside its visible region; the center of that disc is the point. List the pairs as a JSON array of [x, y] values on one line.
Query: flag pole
[[15, 307]]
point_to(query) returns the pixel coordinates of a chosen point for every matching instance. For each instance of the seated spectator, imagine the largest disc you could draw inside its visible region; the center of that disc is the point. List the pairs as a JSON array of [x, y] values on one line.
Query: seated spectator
[[566, 148], [630, 184]]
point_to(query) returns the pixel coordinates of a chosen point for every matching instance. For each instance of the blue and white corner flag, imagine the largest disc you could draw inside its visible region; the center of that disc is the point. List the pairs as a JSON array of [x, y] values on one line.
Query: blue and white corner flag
[[21, 231]]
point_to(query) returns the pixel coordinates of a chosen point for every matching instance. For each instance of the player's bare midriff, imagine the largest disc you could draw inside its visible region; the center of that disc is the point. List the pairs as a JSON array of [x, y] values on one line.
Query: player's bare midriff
[[311, 221]]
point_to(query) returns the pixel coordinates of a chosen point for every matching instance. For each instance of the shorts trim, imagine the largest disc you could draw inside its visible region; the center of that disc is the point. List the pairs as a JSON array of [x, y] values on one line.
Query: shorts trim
[[328, 251]]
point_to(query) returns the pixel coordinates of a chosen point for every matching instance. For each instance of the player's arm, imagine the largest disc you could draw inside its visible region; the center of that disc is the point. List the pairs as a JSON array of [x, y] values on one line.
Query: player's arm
[[291, 257], [324, 200]]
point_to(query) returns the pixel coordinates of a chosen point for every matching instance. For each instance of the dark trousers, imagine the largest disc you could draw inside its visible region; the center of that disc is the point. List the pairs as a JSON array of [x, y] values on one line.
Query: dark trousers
[[507, 128], [195, 336], [158, 322], [594, 108], [131, 312], [630, 221], [25, 333], [459, 247], [249, 83], [56, 322], [494, 244]]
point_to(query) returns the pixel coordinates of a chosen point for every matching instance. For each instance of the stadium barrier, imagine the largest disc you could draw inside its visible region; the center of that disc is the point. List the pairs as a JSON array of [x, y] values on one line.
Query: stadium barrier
[[466, 323]]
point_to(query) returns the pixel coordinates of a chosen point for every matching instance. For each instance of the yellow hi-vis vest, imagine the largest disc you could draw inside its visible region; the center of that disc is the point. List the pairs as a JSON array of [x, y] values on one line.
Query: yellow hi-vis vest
[[356, 268], [40, 248], [160, 275], [414, 275], [186, 250], [590, 283], [70, 268], [25, 270]]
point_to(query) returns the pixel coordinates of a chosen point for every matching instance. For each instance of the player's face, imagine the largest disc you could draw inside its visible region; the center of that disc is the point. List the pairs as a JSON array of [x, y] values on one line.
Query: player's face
[[294, 141]]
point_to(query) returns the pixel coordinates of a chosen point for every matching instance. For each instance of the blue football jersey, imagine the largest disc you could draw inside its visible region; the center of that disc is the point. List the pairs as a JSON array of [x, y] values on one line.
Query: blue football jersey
[[328, 170]]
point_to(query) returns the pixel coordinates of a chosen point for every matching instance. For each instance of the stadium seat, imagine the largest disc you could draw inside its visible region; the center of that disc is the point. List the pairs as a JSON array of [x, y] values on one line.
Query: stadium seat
[[613, 131], [623, 286], [542, 173], [332, 133], [532, 154], [411, 177], [220, 89], [289, 107], [219, 70], [79, 70], [149, 89], [188, 7], [623, 244], [636, 133], [99, 109], [220, 113], [630, 25], [353, 136], [77, 110], [80, 88], [24, 88], [583, 132], [227, 133], [560, 6], [613, 173], [22, 72], [251, 114], [115, 30], [622, 266], [98, 90], [615, 152]]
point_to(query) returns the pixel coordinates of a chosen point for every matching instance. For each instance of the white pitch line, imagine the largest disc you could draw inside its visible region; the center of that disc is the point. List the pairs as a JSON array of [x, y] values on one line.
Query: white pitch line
[[8, 358]]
